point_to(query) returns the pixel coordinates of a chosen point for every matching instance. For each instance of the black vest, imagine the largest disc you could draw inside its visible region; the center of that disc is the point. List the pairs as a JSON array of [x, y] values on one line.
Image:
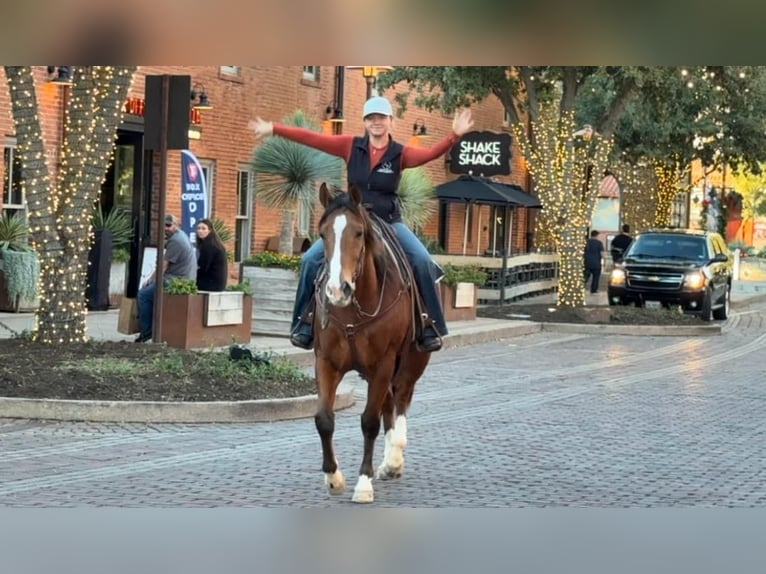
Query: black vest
[[380, 185]]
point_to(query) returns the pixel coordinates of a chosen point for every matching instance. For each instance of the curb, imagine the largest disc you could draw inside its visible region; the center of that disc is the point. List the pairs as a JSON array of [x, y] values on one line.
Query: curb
[[636, 330], [270, 410], [264, 410]]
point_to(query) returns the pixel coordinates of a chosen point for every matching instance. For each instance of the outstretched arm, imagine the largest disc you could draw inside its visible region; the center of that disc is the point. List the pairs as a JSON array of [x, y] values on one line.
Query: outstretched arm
[[415, 156], [338, 145]]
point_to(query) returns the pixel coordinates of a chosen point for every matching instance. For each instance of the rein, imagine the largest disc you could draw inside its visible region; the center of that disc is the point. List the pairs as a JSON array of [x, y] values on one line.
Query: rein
[[350, 329]]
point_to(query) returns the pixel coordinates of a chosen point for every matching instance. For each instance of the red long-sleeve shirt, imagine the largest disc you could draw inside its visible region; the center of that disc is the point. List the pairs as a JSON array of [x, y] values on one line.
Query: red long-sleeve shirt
[[340, 145]]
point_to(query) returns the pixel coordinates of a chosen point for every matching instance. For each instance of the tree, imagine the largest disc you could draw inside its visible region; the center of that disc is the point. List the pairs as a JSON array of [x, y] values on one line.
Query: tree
[[287, 175], [540, 101], [60, 210], [751, 191], [714, 114]]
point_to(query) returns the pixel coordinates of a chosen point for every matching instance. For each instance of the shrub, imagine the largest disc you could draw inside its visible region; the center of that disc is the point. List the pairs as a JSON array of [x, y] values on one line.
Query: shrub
[[180, 286], [272, 259], [243, 286], [454, 274]]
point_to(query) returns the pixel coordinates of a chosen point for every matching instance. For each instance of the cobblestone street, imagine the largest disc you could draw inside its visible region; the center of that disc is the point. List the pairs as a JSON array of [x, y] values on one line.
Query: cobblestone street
[[548, 419]]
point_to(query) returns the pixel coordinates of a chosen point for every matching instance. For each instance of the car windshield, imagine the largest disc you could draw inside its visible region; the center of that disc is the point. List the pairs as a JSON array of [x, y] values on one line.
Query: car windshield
[[656, 246]]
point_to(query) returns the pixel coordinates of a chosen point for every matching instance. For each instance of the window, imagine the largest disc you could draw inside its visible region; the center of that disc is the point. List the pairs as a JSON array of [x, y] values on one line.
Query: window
[[304, 221], [13, 193], [311, 73], [244, 219], [208, 172]]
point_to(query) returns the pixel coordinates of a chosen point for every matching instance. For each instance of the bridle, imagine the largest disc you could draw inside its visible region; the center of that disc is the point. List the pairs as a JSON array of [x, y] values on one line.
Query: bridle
[[326, 310]]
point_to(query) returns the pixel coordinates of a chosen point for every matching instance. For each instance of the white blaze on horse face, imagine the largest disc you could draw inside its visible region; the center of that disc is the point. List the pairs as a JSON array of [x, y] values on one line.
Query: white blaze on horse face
[[334, 287]]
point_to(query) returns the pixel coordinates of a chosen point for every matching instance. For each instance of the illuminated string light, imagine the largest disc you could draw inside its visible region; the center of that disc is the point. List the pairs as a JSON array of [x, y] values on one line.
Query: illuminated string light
[[567, 173], [60, 211]]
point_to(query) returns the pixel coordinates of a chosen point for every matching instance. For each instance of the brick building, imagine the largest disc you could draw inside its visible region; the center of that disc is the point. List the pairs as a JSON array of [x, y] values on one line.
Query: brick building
[[225, 144]]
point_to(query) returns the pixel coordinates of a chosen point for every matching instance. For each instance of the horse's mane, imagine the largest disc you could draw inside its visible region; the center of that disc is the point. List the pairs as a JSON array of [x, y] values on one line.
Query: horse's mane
[[373, 242]]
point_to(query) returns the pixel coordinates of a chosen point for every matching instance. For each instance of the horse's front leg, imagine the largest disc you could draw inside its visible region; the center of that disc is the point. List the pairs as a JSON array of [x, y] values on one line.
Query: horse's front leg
[[327, 385], [377, 392], [393, 456]]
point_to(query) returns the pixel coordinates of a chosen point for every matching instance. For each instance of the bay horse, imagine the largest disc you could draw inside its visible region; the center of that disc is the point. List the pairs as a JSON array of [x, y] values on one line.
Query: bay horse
[[363, 321]]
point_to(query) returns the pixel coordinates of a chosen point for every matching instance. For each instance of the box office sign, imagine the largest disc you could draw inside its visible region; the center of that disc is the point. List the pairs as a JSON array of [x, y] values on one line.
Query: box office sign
[[482, 153]]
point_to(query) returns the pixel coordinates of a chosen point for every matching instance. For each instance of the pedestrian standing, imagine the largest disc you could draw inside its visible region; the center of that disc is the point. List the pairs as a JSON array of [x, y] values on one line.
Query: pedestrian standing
[[594, 252]]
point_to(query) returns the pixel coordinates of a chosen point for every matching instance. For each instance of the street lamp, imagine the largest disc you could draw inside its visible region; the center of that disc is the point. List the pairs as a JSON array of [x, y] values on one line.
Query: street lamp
[[370, 73]]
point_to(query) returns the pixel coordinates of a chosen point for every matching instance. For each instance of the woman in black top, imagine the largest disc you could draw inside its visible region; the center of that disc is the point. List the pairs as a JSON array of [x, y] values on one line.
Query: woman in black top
[[212, 266]]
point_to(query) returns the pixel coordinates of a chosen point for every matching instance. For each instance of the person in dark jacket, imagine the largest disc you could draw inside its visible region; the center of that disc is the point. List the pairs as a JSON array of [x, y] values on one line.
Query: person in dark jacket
[[620, 244], [374, 164], [212, 266], [594, 252]]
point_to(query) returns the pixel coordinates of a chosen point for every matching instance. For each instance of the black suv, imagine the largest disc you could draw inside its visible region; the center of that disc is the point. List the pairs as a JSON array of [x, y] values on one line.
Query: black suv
[[689, 268]]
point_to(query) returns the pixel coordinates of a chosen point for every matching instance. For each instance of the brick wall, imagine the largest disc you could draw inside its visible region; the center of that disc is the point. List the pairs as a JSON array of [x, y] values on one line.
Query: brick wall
[[273, 93]]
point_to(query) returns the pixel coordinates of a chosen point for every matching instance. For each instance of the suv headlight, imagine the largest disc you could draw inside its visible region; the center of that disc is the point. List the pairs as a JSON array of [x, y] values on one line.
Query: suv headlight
[[617, 277], [695, 280]]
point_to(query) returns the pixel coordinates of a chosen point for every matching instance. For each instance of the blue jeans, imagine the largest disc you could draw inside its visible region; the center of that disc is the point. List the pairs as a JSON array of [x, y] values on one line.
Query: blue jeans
[[424, 268], [145, 299]]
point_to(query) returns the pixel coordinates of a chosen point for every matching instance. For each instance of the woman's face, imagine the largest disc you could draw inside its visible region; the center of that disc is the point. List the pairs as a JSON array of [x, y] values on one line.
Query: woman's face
[[378, 124], [202, 230]]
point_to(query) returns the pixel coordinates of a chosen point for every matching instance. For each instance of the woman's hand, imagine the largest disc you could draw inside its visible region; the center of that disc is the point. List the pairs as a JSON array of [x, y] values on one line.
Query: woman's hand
[[462, 122], [261, 128]]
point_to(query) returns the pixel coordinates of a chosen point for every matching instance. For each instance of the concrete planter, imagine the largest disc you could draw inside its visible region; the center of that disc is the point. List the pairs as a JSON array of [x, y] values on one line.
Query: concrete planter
[[117, 282], [206, 319], [459, 301], [273, 298]]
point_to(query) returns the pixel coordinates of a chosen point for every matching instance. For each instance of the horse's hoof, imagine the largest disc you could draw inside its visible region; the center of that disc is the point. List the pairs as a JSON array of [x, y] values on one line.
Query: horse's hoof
[[363, 492], [386, 472], [335, 482]]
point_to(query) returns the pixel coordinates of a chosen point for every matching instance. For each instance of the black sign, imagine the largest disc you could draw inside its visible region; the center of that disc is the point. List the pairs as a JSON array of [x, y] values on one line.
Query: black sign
[[482, 153]]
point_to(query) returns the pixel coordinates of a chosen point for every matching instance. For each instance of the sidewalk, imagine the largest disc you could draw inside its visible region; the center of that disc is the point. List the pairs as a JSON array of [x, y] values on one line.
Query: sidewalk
[[102, 325]]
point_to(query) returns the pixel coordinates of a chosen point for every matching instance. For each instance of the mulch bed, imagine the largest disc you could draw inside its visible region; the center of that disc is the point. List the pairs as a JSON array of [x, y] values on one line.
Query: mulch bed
[[141, 372]]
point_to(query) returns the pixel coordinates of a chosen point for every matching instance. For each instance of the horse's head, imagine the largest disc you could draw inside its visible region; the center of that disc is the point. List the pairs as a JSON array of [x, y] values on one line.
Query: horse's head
[[344, 229]]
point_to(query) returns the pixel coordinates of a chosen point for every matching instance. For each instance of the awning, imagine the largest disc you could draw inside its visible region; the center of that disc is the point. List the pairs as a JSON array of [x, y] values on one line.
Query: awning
[[470, 188]]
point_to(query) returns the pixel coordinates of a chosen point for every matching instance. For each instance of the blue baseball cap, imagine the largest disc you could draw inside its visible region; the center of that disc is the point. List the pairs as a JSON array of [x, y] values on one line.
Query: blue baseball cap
[[377, 105]]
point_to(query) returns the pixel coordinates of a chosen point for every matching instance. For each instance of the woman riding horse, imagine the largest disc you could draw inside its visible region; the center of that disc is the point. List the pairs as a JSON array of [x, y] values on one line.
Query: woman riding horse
[[375, 163], [363, 322]]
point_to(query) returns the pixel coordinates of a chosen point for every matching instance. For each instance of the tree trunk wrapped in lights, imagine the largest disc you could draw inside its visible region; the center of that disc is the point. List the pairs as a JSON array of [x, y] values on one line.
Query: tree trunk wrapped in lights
[[638, 201], [669, 176], [60, 211], [567, 171]]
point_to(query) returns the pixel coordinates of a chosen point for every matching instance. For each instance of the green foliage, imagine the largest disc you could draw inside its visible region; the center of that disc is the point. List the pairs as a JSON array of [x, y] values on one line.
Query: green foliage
[[711, 113], [743, 247], [121, 255], [118, 222], [216, 365], [243, 286], [272, 259], [222, 230], [13, 232], [416, 197], [180, 286], [21, 269], [454, 274], [287, 173]]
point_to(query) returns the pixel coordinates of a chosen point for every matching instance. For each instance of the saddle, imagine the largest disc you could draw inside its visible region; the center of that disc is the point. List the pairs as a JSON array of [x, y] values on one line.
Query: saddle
[[420, 319]]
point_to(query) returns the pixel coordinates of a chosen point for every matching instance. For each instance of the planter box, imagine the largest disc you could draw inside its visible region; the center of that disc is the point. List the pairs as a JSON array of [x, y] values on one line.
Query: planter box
[[273, 298], [117, 282], [206, 319], [17, 305], [459, 302]]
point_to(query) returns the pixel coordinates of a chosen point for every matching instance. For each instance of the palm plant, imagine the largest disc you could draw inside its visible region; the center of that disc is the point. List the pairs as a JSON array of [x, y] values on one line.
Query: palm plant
[[13, 232], [118, 222], [287, 174], [416, 197]]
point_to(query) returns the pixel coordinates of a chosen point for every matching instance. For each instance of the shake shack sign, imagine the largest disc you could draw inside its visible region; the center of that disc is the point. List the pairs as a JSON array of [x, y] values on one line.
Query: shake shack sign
[[482, 153]]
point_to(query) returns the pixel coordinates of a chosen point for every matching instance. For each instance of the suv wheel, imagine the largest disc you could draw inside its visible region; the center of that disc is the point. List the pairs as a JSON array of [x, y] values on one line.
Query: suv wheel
[[722, 313], [706, 313]]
